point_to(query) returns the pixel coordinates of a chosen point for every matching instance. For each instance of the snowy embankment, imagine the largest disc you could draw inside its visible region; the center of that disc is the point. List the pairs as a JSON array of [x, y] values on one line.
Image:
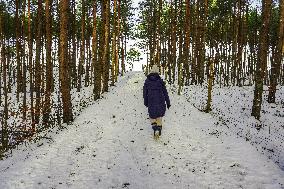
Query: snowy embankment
[[232, 107], [80, 100], [110, 145]]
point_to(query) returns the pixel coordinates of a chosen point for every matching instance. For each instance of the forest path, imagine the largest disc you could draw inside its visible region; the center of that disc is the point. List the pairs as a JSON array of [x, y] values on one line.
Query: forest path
[[110, 145]]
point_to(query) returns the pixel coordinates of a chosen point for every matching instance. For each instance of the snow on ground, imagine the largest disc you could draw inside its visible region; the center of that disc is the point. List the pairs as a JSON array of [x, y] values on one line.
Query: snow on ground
[[231, 106], [80, 100], [110, 145]]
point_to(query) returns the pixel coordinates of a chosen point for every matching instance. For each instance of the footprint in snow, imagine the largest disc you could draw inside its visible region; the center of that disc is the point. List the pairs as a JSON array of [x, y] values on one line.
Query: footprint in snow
[[125, 185]]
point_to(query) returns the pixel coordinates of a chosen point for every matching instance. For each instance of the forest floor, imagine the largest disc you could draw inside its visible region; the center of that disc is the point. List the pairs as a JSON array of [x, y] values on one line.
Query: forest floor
[[110, 145]]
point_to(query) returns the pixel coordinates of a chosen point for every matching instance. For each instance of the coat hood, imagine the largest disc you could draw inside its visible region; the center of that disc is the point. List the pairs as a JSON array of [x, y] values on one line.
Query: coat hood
[[153, 76]]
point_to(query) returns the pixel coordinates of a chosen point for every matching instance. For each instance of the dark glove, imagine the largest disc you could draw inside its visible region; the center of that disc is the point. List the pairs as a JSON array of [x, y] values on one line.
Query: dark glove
[[168, 106]]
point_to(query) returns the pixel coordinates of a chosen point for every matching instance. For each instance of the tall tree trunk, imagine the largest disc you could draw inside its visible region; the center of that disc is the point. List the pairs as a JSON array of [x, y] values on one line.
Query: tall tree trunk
[[276, 63], [154, 31], [2, 58], [4, 124], [82, 49], [235, 27], [150, 32], [105, 46], [198, 35], [174, 41], [114, 36], [87, 73], [159, 34], [73, 62], [19, 74], [125, 48], [118, 39], [170, 46], [181, 53], [262, 59], [9, 68], [195, 44], [240, 43], [187, 39], [37, 61], [63, 68], [24, 84], [203, 27], [49, 73], [30, 60], [122, 56], [210, 84], [96, 64]]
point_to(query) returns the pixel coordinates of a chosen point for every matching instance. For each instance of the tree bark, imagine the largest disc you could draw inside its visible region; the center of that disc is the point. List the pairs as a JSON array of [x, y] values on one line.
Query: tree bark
[[63, 68], [187, 39], [82, 49], [210, 83], [24, 84], [181, 52], [276, 63], [114, 36], [87, 73], [4, 124], [105, 46], [173, 41], [30, 60], [37, 61], [96, 64], [49, 66], [74, 46], [262, 59], [240, 43], [118, 39], [19, 70], [122, 57]]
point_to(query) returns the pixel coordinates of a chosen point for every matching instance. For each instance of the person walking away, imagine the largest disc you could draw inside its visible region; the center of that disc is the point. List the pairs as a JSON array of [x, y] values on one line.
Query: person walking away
[[156, 98]]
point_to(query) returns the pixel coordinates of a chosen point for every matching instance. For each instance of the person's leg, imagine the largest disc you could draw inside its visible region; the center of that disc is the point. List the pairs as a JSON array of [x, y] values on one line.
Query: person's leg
[[154, 124], [159, 125], [153, 121], [159, 121]]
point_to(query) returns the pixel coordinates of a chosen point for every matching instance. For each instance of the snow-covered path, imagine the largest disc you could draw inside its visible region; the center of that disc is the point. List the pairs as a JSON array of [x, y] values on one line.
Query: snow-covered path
[[110, 145]]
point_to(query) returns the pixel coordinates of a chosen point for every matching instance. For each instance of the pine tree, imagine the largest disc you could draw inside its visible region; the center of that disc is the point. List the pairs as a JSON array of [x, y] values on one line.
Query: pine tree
[[96, 64], [74, 46], [276, 64], [49, 66], [63, 68], [187, 39], [114, 43], [105, 45], [210, 83], [4, 124], [82, 49], [24, 80], [118, 39], [30, 60], [19, 74], [37, 62], [262, 59]]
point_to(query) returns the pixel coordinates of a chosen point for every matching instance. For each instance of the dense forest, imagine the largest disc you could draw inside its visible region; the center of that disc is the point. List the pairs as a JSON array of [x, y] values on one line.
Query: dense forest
[[53, 49], [235, 42]]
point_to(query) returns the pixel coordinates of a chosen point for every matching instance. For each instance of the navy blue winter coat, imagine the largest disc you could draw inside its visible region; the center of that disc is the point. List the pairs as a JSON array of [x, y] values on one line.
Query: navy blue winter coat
[[155, 95]]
